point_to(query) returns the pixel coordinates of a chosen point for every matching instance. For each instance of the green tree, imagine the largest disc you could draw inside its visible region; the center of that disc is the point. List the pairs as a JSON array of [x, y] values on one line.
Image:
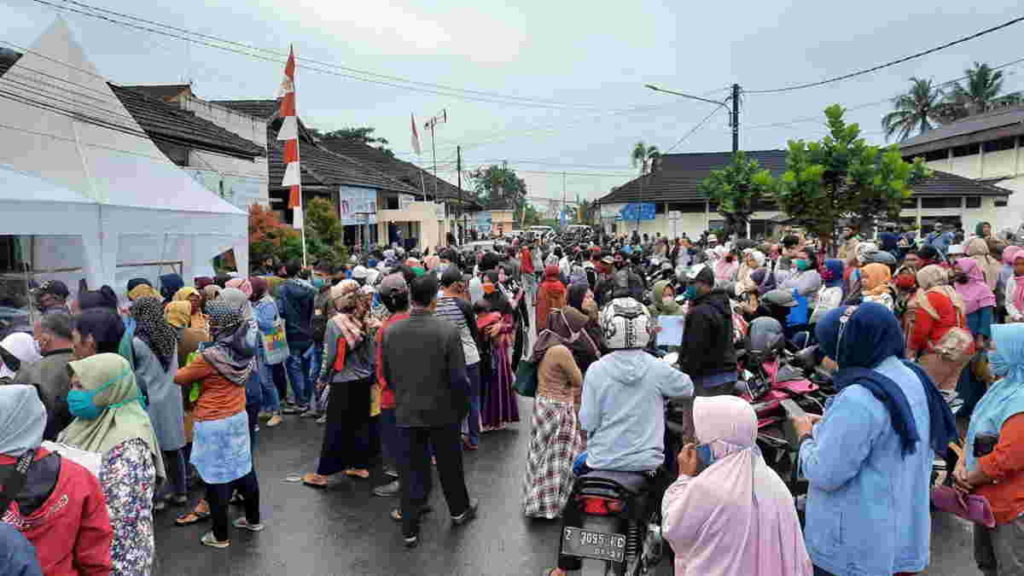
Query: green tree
[[498, 184], [270, 239], [914, 111], [842, 176], [736, 189], [643, 156], [362, 134], [980, 91], [324, 232], [585, 212]]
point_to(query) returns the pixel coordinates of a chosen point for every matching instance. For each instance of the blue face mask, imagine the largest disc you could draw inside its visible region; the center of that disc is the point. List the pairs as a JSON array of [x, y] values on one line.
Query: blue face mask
[[82, 404], [691, 292], [705, 456], [318, 282]]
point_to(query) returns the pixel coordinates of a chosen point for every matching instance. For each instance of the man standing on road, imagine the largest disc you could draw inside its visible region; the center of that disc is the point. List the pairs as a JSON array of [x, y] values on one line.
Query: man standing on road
[[50, 374], [296, 305], [425, 367], [707, 353]]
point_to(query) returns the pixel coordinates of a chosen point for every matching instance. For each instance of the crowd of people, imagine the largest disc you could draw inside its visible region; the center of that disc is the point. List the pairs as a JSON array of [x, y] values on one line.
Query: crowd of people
[[113, 408]]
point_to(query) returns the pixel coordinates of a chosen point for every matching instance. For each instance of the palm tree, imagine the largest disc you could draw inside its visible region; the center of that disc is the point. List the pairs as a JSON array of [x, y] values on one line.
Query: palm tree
[[915, 110], [643, 156], [980, 92]]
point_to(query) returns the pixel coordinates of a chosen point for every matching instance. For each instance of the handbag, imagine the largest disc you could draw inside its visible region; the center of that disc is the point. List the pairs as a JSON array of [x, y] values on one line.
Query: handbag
[[956, 345], [275, 343], [526, 378], [971, 507]]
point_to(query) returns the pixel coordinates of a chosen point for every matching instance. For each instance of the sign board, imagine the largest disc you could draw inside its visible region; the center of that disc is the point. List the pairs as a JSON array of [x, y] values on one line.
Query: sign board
[[638, 211], [439, 210], [675, 223], [482, 222], [358, 205], [405, 201], [610, 211]]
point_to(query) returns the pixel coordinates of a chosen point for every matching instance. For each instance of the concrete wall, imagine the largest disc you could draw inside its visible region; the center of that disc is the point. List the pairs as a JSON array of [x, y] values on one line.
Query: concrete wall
[[1000, 164], [251, 128], [432, 232], [239, 181]]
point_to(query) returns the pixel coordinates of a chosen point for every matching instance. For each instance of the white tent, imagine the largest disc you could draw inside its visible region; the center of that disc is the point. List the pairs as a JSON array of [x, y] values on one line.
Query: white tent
[[86, 182]]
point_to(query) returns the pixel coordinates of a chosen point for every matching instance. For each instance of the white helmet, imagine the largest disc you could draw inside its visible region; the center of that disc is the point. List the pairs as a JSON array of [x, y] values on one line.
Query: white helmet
[[626, 324]]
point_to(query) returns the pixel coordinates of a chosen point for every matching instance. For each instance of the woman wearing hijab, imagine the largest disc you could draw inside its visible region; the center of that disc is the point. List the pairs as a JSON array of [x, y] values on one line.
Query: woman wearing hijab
[[831, 293], [193, 297], [803, 282], [1014, 258], [348, 368], [979, 300], [731, 515], [582, 311], [16, 349], [977, 249], [520, 312], [243, 284], [496, 323], [141, 288], [875, 280], [938, 320], [550, 294], [156, 360], [868, 460], [555, 436], [60, 509], [267, 319], [997, 475], [110, 420], [905, 302], [726, 265], [169, 285], [221, 448]]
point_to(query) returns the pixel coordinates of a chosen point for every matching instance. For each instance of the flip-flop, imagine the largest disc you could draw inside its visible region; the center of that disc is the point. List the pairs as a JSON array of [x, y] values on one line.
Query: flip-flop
[[190, 518], [360, 473], [307, 482]]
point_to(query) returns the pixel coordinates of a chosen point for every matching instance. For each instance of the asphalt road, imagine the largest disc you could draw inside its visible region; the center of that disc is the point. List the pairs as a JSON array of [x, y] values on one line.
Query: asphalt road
[[344, 530]]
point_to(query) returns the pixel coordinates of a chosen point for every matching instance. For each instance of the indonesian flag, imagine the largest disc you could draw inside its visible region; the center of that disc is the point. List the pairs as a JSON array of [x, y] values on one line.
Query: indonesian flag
[[289, 134], [415, 136]]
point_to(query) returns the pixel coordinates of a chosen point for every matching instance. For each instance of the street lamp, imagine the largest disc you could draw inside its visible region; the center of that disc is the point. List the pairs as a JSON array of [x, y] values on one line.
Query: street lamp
[[734, 112]]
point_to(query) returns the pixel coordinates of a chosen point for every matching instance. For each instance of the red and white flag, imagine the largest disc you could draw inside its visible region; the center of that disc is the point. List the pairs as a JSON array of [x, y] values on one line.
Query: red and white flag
[[289, 133], [415, 136]]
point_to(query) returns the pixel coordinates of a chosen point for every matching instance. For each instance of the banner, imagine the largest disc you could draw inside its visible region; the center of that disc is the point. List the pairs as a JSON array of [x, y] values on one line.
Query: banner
[[358, 205], [637, 211]]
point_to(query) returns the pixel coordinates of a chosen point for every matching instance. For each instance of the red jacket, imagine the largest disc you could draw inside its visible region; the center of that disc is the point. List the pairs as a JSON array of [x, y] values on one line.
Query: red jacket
[[71, 530], [927, 330], [387, 396], [526, 262]]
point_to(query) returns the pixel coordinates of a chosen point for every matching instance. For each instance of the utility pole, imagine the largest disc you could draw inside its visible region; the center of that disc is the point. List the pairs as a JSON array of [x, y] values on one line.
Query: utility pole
[[441, 118], [735, 118], [462, 207], [562, 214]]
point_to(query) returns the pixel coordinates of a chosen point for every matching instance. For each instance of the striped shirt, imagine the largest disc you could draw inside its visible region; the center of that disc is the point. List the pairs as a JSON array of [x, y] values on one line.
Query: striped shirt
[[448, 309]]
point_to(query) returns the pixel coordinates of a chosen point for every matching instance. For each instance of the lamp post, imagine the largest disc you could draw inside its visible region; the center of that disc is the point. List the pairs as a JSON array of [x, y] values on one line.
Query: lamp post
[[734, 112]]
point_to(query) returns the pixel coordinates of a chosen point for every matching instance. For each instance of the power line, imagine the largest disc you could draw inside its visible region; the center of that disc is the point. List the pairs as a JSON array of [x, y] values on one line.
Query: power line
[[961, 40], [696, 127]]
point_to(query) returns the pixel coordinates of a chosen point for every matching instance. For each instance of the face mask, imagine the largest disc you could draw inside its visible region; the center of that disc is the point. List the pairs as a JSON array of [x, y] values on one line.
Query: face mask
[[705, 456], [81, 403], [691, 292], [668, 300], [802, 264], [489, 288], [904, 282], [318, 282]]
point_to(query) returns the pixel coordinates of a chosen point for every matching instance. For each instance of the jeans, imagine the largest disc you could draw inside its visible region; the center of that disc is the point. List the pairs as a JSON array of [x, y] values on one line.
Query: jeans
[[390, 448], [318, 400], [416, 474], [218, 496], [270, 401], [176, 470], [280, 377], [471, 424], [297, 366]]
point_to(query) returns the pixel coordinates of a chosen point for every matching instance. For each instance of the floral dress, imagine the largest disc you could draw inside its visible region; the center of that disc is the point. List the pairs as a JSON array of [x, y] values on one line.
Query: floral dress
[[128, 477]]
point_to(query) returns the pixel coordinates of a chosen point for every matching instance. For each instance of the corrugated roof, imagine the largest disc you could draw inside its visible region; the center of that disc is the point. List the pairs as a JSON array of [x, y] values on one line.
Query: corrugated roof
[[165, 122], [971, 130], [165, 92], [257, 108], [676, 177]]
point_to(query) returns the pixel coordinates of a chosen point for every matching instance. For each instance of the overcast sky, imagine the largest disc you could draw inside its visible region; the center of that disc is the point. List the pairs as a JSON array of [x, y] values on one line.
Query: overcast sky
[[588, 62]]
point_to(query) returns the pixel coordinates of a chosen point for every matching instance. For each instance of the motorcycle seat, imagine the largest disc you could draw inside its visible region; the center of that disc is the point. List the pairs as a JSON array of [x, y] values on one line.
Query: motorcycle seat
[[634, 482]]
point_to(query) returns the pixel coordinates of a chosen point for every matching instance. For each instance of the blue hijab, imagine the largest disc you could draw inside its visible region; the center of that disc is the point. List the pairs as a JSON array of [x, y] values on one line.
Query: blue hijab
[[1005, 398], [835, 276], [859, 338], [169, 284]]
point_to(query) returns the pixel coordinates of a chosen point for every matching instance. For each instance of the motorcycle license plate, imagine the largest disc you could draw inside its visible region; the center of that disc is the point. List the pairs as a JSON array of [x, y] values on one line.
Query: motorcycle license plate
[[596, 545]]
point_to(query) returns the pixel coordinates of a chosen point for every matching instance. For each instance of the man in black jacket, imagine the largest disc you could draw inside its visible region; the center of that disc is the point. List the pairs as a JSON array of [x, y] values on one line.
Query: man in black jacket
[[423, 363], [295, 302], [708, 354]]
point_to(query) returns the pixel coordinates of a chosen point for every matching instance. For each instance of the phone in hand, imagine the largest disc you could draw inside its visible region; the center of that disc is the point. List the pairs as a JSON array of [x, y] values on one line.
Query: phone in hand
[[984, 444]]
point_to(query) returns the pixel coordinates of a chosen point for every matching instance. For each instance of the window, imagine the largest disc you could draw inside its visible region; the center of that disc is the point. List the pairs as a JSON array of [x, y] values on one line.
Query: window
[[659, 207], [967, 150], [1001, 144], [943, 202], [687, 207], [974, 201], [1001, 202], [936, 155]]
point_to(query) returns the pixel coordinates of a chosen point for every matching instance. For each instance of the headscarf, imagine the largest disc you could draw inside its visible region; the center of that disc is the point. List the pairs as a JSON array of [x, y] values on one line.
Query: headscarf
[[242, 284], [349, 319], [211, 292], [259, 288], [758, 257], [23, 347], [979, 251], [978, 228], [875, 279], [142, 291], [658, 306], [869, 335], [201, 282], [934, 278], [135, 282], [975, 293], [152, 329], [22, 419], [1010, 254], [123, 417], [577, 293], [1017, 291], [169, 284], [832, 273], [230, 354], [185, 292], [102, 298], [1005, 398], [737, 504], [497, 301], [178, 314]]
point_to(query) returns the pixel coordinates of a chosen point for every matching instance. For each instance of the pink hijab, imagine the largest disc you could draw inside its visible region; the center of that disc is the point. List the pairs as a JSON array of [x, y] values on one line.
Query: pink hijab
[[975, 293], [1010, 255], [735, 518]]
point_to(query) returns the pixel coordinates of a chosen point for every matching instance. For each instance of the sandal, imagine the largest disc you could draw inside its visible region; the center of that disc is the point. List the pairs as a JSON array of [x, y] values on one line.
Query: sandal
[[362, 473], [315, 480], [190, 518], [396, 513]]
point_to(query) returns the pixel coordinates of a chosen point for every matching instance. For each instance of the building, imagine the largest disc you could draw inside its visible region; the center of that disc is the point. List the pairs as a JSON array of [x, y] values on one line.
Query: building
[[985, 148], [679, 208]]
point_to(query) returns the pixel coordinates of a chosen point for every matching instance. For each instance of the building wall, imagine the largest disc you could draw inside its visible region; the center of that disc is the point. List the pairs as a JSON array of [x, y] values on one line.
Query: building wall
[[432, 232], [239, 181], [987, 165]]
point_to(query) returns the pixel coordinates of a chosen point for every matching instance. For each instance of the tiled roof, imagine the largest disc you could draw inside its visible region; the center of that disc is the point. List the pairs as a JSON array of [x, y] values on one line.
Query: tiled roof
[[168, 123], [676, 177], [165, 92], [993, 125], [257, 108], [321, 167]]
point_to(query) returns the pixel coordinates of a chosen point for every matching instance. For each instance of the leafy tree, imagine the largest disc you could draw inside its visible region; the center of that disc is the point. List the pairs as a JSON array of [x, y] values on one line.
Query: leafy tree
[[527, 215], [842, 176], [324, 232], [643, 156], [494, 184], [980, 92], [269, 238], [362, 134], [915, 110], [584, 212], [736, 190]]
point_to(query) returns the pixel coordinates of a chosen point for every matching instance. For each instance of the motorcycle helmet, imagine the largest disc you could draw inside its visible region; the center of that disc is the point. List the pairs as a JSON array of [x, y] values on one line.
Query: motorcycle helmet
[[765, 337], [626, 324]]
